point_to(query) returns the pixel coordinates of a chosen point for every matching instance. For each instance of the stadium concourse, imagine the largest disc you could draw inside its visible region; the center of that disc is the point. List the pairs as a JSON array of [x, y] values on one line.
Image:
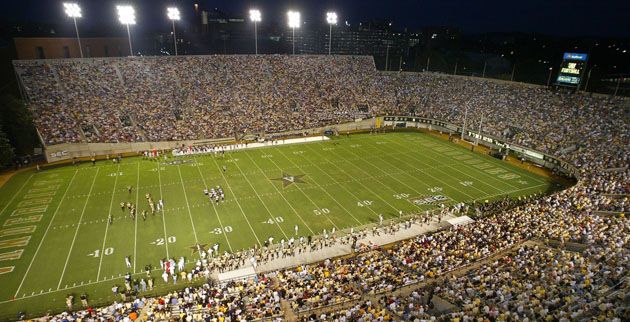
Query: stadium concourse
[[559, 257]]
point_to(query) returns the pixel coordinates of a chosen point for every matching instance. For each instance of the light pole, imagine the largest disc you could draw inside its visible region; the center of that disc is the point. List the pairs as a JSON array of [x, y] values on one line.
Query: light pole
[[387, 55], [588, 78], [127, 16], [254, 15], [464, 128], [479, 135], [485, 63], [549, 78], [73, 11], [331, 18], [173, 14], [294, 22]]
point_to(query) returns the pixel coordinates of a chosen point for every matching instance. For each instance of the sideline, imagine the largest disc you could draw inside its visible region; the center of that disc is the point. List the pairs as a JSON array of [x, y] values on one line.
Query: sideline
[[247, 146], [525, 165], [7, 174]]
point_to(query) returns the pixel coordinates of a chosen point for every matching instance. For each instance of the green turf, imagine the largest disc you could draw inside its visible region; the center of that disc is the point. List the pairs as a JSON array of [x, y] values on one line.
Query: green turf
[[349, 181]]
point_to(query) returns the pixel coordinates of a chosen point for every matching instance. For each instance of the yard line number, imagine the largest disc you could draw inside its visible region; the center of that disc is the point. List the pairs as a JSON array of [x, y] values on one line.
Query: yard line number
[[160, 241], [218, 231], [269, 221], [364, 203], [97, 253], [322, 211], [401, 196]]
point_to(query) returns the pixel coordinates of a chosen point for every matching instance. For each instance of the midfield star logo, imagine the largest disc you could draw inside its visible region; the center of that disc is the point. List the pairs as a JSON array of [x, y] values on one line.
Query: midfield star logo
[[288, 179], [198, 248]]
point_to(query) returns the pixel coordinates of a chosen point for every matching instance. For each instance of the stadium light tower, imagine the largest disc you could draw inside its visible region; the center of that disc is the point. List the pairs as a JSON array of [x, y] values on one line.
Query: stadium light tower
[[331, 18], [173, 14], [74, 11], [127, 16], [254, 16], [294, 22]]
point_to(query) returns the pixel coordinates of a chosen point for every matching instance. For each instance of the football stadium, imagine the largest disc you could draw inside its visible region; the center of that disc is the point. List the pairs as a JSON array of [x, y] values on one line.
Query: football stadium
[[312, 187]]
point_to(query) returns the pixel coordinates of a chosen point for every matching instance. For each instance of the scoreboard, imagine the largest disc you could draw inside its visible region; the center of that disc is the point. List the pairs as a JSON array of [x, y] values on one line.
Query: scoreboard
[[571, 68]]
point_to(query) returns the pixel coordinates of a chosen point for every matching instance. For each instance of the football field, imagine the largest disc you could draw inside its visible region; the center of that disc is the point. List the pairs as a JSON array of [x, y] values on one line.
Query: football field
[[56, 239]]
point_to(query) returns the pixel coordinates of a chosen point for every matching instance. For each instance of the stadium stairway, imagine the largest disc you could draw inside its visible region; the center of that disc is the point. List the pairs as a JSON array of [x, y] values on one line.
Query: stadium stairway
[[118, 73], [59, 84]]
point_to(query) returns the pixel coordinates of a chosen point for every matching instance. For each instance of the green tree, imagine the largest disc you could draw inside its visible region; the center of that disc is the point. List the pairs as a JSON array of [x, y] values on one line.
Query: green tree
[[18, 124], [6, 151]]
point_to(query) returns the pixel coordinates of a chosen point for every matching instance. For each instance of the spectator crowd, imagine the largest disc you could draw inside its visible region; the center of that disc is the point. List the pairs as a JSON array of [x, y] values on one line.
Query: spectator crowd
[[517, 261]]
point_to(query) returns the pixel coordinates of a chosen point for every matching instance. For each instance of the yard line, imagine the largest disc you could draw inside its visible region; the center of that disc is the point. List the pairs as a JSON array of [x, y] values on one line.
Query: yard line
[[86, 168], [17, 193], [523, 172], [45, 233], [111, 203], [187, 205], [283, 197], [159, 166], [385, 172], [77, 231], [338, 182], [473, 168], [444, 171], [323, 189], [237, 203], [135, 233], [259, 198], [413, 166], [366, 188], [438, 169], [213, 206]]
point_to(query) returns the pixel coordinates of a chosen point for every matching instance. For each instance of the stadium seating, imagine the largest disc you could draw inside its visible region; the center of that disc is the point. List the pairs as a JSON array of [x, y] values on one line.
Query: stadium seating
[[176, 98]]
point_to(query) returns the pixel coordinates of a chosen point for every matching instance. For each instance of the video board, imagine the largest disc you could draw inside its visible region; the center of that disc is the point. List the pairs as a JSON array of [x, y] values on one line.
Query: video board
[[571, 68]]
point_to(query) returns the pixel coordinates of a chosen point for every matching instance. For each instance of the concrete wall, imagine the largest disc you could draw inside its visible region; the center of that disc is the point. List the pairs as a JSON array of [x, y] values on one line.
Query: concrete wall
[[53, 48], [66, 151]]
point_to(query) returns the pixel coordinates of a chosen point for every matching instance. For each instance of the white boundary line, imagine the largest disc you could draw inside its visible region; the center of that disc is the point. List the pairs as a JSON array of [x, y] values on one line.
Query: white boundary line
[[438, 169], [111, 203], [470, 166], [213, 206], [117, 278], [385, 172], [446, 173], [259, 198], [505, 182], [282, 195], [524, 172], [426, 173], [159, 166], [135, 233], [41, 242], [339, 183], [237, 202], [16, 194], [192, 224], [364, 186], [77, 231], [323, 189]]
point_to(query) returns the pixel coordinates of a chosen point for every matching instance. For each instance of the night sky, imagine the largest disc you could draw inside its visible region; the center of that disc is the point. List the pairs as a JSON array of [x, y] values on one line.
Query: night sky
[[556, 17]]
